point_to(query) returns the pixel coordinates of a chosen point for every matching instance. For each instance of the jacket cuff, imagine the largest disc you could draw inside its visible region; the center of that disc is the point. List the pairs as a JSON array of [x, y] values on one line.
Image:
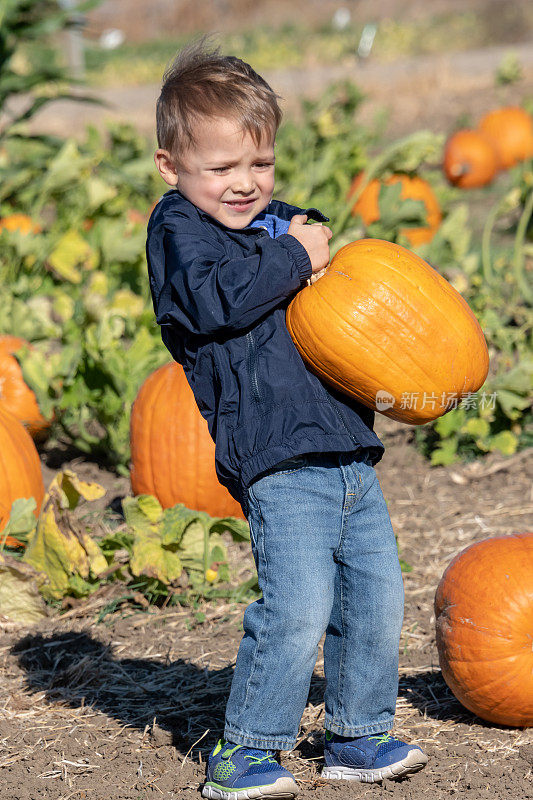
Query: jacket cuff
[[298, 253]]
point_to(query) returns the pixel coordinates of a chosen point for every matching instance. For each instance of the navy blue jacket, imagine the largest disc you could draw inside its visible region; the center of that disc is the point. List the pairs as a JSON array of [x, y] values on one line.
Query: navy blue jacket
[[220, 297]]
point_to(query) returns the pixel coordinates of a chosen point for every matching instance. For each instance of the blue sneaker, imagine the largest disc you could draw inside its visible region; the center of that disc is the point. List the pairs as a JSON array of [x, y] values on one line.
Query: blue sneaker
[[370, 758], [235, 772]]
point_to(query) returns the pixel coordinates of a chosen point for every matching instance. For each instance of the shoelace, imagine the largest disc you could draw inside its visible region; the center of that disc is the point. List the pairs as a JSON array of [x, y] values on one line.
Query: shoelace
[[383, 737], [254, 759]]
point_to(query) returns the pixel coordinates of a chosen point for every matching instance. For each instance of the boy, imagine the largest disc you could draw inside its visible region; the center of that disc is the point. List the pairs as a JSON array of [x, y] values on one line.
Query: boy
[[224, 261]]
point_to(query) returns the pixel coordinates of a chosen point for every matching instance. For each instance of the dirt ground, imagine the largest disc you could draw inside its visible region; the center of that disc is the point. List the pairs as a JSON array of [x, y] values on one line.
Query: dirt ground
[[128, 708]]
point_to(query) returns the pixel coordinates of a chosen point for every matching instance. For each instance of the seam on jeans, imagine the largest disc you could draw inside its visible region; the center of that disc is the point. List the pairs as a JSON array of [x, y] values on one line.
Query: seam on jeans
[[260, 546], [239, 737], [340, 682], [340, 677], [360, 730], [343, 516]]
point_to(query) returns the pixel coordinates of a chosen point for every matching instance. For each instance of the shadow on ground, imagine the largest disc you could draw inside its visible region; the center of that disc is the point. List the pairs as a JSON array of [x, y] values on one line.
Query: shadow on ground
[[75, 669]]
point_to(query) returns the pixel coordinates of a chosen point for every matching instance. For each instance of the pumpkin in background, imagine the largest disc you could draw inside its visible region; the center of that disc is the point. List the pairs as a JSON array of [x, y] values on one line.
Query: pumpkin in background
[[15, 395], [470, 159], [511, 132], [384, 327], [484, 624], [19, 222], [172, 453], [20, 467], [413, 188]]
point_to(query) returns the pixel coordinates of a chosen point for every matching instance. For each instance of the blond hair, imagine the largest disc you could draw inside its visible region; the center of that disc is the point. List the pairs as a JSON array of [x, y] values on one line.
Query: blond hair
[[201, 84]]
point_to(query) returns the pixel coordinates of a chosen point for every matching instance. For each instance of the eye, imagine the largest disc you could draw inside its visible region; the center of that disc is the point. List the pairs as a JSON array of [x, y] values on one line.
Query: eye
[[264, 164], [220, 170]]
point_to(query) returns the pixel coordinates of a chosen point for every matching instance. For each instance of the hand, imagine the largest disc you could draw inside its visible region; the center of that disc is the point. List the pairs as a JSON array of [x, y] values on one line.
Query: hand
[[314, 238]]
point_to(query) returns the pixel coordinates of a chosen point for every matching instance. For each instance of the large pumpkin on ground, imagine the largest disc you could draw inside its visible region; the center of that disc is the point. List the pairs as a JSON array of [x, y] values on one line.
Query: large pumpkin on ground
[[470, 159], [15, 394], [413, 188], [511, 132], [384, 327], [20, 467], [172, 453], [484, 624]]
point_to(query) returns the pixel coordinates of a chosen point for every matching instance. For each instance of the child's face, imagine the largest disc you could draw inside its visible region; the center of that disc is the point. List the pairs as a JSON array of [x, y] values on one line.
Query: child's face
[[226, 174]]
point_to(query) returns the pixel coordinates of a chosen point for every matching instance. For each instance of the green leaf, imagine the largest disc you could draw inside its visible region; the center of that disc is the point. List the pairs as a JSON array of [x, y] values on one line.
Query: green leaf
[[65, 169], [451, 422], [59, 547], [151, 558], [238, 528], [68, 489], [22, 519], [476, 427], [176, 521], [116, 245], [20, 600], [150, 507], [445, 453], [192, 550], [505, 442], [71, 252], [512, 404], [98, 192]]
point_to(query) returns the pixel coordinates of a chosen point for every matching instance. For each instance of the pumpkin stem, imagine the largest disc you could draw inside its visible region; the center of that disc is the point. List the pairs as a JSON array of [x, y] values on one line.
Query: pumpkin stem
[[518, 255]]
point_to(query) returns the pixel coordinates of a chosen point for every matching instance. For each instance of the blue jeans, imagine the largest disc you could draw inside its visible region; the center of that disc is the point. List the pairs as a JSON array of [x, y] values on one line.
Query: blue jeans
[[327, 560]]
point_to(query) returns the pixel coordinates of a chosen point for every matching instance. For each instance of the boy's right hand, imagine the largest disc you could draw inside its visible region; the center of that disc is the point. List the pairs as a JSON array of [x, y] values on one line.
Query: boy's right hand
[[315, 239]]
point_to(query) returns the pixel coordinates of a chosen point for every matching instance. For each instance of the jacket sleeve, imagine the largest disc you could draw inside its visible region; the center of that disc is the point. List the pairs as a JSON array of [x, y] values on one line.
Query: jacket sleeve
[[207, 292]]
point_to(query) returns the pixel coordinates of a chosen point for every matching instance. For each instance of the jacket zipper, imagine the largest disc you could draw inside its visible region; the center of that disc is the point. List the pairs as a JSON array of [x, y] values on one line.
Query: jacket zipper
[[251, 363], [343, 421]]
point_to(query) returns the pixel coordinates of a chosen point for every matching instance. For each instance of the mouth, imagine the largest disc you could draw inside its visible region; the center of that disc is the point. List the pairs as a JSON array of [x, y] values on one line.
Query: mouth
[[241, 205]]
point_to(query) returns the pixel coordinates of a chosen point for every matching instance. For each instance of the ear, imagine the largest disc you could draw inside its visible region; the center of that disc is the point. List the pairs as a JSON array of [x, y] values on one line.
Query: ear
[[166, 167]]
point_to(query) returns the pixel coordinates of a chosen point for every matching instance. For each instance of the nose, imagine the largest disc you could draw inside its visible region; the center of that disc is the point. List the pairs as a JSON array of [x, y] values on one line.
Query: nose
[[243, 182]]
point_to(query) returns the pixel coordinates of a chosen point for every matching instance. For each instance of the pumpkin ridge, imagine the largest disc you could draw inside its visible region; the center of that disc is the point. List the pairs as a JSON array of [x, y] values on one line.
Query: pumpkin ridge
[[146, 466], [22, 465], [329, 379], [309, 356], [442, 284], [511, 657], [367, 336], [4, 477], [481, 686], [409, 328], [156, 475]]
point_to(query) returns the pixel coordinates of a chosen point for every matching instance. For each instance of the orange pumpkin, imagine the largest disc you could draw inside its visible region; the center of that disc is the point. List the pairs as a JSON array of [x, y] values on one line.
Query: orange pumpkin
[[511, 132], [20, 467], [470, 159], [172, 453], [19, 222], [413, 188], [484, 624], [384, 327], [15, 395]]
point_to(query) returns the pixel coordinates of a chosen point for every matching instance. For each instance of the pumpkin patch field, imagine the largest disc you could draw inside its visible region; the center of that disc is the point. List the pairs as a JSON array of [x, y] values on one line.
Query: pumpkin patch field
[[125, 567]]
